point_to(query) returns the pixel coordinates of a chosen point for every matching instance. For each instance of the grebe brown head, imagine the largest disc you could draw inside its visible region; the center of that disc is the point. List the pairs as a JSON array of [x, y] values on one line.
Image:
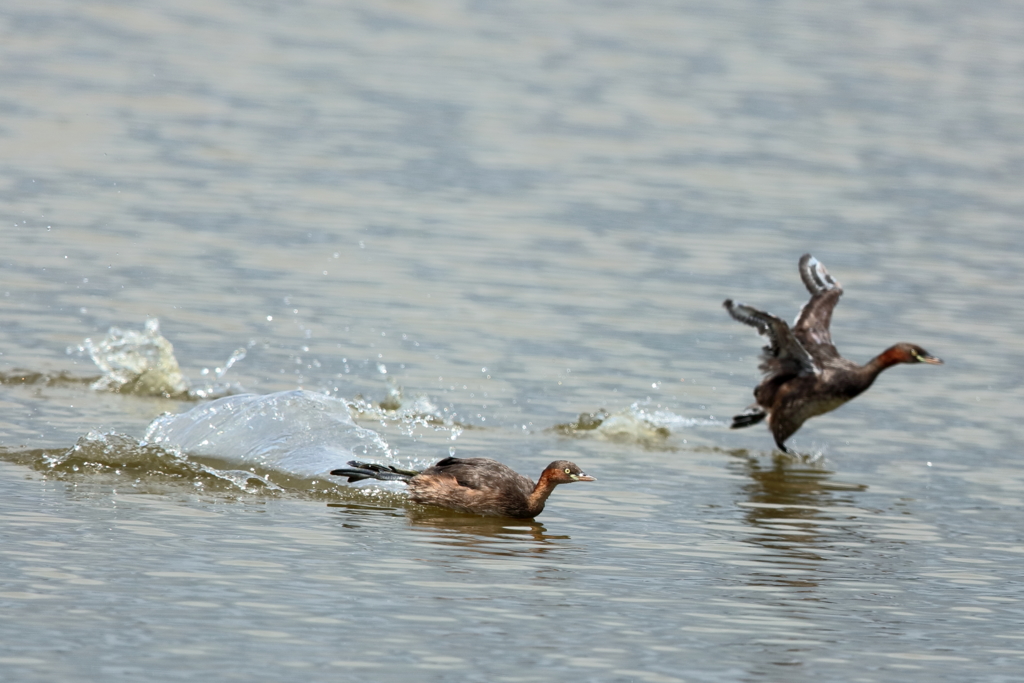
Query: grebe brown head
[[912, 353], [564, 472]]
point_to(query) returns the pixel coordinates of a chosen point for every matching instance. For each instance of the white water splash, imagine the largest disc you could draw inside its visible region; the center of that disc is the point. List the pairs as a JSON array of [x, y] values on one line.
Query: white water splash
[[637, 423], [300, 433], [143, 363], [137, 362], [661, 418]]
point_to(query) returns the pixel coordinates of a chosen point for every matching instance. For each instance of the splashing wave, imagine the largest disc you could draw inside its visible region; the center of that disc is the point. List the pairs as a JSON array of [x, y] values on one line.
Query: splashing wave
[[636, 424], [298, 433], [143, 363], [283, 443]]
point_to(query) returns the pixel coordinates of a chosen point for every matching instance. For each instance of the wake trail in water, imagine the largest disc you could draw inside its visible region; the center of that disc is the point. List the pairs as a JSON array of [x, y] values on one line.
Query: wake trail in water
[[635, 424], [299, 433]]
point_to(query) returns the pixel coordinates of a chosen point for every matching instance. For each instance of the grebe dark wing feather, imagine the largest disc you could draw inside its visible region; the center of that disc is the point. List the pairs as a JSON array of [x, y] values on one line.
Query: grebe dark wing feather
[[784, 353], [813, 321], [815, 277], [480, 473]]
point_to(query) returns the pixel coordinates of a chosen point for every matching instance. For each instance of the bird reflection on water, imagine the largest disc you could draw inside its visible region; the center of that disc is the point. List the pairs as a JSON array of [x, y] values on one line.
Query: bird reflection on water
[[795, 510], [480, 525], [493, 536]]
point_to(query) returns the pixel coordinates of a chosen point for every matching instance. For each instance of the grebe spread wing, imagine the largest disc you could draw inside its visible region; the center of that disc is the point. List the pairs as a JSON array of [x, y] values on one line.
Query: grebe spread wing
[[813, 321], [784, 355]]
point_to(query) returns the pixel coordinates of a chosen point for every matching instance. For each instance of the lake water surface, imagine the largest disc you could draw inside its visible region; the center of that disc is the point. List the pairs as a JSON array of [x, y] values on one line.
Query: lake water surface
[[454, 228]]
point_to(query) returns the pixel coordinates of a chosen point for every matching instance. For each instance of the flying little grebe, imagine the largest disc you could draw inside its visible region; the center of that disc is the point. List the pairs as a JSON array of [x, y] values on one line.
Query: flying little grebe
[[804, 374], [478, 485]]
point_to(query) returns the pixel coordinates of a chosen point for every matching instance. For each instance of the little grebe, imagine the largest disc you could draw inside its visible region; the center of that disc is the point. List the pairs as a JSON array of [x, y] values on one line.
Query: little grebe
[[804, 374], [478, 485]]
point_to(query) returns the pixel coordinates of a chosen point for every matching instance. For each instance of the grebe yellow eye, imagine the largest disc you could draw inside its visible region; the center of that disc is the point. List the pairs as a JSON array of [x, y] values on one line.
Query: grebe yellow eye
[[568, 471]]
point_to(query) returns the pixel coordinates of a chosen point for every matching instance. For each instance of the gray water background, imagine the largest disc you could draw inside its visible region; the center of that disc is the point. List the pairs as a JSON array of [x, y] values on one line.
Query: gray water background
[[520, 213]]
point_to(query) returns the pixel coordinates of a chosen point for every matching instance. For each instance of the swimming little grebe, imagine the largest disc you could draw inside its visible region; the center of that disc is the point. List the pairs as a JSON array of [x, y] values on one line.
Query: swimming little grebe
[[477, 485], [804, 374]]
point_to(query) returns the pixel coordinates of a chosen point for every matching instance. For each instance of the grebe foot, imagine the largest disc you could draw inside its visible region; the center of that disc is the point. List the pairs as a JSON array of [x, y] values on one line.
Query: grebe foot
[[751, 416], [358, 471]]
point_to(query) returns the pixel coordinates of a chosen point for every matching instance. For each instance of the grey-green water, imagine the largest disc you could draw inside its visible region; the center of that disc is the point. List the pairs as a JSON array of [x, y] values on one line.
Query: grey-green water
[[513, 214]]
